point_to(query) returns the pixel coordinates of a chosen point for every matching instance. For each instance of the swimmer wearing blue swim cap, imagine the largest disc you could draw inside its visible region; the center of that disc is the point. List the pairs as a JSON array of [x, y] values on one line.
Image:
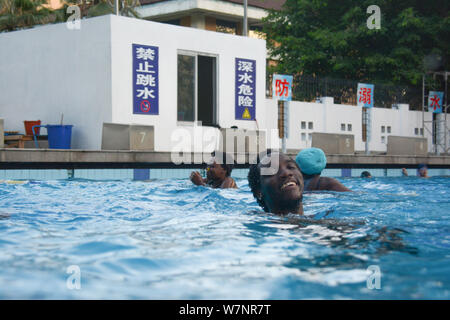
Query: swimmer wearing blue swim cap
[[422, 171], [312, 161]]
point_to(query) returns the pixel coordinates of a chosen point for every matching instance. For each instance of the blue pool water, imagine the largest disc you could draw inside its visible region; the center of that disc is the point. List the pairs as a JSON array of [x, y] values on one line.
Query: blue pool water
[[166, 239]]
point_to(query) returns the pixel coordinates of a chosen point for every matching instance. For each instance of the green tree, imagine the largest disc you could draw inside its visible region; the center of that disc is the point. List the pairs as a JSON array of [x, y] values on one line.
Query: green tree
[[331, 38], [19, 14], [101, 7]]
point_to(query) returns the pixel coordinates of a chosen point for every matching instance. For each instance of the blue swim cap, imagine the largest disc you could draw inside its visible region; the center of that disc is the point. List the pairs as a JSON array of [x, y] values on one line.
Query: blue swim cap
[[421, 166], [311, 160]]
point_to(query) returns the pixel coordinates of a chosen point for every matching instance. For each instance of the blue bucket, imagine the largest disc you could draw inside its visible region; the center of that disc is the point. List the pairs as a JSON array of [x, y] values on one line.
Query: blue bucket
[[59, 136]]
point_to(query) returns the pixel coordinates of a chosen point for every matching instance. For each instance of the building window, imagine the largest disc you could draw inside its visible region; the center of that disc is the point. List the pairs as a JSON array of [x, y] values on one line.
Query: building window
[[197, 87], [303, 125], [383, 129], [309, 136], [186, 88], [342, 126], [303, 136], [383, 139], [310, 125], [388, 129], [421, 131], [416, 131], [226, 26], [349, 127]]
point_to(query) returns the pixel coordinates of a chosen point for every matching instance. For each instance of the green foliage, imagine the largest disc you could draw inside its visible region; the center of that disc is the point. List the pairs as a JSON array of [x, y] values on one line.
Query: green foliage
[[20, 14], [126, 8], [330, 38], [100, 9]]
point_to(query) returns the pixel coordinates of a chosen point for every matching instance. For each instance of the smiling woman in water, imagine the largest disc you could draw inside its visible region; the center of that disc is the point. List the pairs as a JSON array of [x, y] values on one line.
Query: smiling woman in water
[[280, 192]]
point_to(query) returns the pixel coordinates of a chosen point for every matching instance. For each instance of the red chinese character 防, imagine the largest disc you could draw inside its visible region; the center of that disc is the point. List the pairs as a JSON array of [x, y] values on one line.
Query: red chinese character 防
[[281, 87]]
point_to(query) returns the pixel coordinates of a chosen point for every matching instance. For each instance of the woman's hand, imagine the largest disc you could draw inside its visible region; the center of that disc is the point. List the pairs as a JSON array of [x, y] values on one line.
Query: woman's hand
[[197, 179]]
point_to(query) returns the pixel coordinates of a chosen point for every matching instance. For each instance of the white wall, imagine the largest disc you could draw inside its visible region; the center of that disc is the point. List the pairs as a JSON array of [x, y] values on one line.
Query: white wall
[[402, 123], [328, 118], [170, 39], [49, 70]]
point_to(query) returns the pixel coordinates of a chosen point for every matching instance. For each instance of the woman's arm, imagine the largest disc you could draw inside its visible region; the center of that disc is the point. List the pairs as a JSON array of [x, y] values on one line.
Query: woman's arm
[[229, 183], [331, 184]]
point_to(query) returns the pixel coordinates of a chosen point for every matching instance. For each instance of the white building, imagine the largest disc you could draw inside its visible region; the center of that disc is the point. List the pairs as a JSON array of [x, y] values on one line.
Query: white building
[[89, 75]]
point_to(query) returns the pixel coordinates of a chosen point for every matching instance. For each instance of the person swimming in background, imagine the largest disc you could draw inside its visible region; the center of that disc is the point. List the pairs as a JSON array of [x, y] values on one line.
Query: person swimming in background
[[366, 174], [280, 191], [422, 171], [218, 172], [311, 162]]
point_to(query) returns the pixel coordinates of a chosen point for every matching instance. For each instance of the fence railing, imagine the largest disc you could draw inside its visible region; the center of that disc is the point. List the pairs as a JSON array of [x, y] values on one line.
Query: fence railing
[[309, 88]]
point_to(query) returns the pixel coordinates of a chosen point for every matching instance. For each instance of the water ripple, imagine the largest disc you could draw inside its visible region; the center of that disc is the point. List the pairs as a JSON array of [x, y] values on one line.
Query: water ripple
[[168, 239]]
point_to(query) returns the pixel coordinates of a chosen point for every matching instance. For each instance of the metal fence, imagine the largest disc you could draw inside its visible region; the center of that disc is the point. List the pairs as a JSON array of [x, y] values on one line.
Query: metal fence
[[310, 88]]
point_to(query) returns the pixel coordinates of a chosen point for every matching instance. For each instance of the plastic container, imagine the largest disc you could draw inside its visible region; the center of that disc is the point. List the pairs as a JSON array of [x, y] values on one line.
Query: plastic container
[[29, 125], [59, 136]]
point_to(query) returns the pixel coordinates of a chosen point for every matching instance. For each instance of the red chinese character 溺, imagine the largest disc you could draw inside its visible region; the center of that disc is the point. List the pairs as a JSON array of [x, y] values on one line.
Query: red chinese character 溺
[[365, 95]]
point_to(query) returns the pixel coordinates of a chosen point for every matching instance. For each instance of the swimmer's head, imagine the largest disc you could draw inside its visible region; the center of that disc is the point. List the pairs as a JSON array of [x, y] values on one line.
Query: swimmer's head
[[280, 192], [366, 174], [220, 166], [422, 170], [311, 161]]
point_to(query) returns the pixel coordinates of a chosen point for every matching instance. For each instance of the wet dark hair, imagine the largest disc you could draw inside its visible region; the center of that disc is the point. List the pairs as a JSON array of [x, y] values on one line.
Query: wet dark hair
[[365, 174], [225, 160], [254, 179]]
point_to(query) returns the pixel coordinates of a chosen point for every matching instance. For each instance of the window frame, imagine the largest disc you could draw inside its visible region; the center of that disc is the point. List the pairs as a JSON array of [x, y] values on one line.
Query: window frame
[[195, 54], [303, 136]]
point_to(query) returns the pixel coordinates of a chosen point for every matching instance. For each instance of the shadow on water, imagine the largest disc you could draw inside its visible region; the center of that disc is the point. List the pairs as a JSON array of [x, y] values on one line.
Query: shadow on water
[[352, 241], [4, 216]]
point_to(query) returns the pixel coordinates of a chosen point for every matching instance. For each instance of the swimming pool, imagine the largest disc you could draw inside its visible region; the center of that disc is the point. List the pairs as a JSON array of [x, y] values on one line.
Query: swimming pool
[[166, 239]]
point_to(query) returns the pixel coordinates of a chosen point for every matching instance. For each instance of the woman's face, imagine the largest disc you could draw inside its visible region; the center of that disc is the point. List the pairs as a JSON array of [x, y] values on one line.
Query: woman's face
[[423, 172], [215, 171], [284, 189]]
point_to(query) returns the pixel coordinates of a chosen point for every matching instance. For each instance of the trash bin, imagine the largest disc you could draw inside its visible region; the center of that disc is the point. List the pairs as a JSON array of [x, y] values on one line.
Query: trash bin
[[59, 136]]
